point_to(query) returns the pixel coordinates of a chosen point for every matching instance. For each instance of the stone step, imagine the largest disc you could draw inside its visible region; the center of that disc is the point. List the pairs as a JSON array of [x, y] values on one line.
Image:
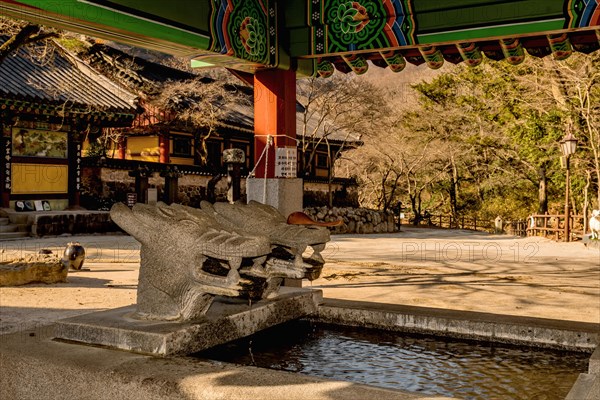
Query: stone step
[[23, 227], [18, 218], [9, 228], [13, 235], [4, 221]]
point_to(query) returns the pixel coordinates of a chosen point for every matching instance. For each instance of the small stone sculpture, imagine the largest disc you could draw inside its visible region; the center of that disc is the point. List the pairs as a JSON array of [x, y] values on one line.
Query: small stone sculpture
[[185, 261], [74, 255], [273, 267]]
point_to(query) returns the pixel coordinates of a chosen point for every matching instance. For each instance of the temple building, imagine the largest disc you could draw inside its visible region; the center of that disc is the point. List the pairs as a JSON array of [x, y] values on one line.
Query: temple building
[[82, 132], [49, 105], [163, 143]]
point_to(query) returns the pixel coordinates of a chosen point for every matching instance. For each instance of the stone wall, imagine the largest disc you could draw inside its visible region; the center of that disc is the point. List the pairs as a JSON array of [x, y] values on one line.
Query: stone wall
[[356, 220], [74, 222]]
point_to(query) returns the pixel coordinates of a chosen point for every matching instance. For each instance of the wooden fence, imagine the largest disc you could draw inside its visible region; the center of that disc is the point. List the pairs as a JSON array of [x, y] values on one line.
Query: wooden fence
[[516, 227], [547, 225], [553, 226]]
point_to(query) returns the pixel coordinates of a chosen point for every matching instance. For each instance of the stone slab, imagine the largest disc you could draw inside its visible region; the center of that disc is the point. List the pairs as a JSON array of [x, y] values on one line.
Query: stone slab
[[35, 367], [226, 320], [37, 268], [594, 367], [587, 387]]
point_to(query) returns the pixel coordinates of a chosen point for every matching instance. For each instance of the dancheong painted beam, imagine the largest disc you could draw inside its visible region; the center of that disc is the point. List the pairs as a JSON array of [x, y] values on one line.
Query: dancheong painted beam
[[318, 36]]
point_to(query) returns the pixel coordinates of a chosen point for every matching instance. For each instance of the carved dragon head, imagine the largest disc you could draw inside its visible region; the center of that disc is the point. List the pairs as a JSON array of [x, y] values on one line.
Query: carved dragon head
[[187, 260]]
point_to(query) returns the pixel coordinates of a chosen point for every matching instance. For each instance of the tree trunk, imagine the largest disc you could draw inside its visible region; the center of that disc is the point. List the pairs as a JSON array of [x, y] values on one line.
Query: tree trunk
[[211, 196], [330, 175], [542, 191], [415, 201], [453, 191], [597, 162]]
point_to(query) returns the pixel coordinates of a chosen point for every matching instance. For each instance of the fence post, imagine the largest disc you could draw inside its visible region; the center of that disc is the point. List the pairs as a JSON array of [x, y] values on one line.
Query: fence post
[[546, 224]]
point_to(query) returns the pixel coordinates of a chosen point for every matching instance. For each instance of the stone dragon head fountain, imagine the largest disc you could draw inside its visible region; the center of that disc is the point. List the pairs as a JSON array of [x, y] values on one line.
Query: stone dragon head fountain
[[190, 255]]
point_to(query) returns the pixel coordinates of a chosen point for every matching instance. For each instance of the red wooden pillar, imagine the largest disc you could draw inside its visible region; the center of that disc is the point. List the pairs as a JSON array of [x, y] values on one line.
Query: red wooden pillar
[[274, 114], [122, 148], [163, 148]]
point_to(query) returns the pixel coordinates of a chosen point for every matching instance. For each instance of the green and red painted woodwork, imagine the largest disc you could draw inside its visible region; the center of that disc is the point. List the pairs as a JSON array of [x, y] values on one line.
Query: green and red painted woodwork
[[233, 33], [256, 34], [334, 28], [164, 148], [74, 151]]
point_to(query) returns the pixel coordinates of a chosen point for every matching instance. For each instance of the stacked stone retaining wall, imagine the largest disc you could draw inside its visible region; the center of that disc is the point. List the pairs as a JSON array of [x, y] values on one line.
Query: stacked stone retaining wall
[[356, 220]]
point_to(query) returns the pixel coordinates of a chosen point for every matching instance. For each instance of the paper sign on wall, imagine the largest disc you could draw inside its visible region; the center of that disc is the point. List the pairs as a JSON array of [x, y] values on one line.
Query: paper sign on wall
[[286, 161]]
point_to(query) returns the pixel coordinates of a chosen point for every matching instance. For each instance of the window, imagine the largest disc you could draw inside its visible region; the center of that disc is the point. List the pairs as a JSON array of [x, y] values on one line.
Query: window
[[182, 146], [322, 161]]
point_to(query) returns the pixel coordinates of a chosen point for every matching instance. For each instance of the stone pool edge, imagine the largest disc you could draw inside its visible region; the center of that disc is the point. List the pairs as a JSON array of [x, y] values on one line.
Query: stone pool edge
[[587, 385], [535, 332]]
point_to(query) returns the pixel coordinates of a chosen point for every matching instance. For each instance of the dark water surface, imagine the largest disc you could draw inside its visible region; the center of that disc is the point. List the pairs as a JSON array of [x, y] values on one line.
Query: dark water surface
[[421, 364]]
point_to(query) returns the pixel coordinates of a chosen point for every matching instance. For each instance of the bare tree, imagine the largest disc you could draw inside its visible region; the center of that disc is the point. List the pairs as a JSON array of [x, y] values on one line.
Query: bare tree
[[341, 110], [23, 34], [202, 104]]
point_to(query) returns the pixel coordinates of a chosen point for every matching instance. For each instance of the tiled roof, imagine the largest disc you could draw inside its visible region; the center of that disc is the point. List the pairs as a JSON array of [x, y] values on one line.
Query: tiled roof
[[132, 68], [61, 79]]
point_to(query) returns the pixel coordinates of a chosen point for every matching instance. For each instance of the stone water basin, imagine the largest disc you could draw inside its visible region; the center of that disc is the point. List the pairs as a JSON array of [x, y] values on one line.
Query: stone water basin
[[415, 363]]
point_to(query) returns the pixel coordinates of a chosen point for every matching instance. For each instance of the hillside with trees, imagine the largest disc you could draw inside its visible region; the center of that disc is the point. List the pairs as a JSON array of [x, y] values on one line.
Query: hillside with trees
[[484, 141]]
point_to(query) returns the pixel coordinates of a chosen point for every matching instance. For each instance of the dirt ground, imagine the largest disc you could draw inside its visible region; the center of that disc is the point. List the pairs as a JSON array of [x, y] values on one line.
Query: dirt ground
[[459, 270], [468, 271]]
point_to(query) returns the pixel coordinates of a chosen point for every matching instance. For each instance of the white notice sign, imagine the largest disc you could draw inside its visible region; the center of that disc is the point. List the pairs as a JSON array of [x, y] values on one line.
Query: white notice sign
[[286, 161]]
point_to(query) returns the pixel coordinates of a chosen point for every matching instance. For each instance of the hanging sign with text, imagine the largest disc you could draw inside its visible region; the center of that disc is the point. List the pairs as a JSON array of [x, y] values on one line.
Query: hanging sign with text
[[286, 161]]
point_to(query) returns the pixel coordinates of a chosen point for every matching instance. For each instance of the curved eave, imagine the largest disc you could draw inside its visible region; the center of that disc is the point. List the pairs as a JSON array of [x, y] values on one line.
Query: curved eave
[[36, 109], [559, 44]]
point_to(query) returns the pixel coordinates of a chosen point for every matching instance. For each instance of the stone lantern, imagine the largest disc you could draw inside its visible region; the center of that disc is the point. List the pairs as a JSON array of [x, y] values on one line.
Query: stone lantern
[[234, 159]]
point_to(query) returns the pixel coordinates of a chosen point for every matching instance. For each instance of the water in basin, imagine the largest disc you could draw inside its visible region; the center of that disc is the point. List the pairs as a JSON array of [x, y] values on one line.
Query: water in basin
[[428, 365]]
